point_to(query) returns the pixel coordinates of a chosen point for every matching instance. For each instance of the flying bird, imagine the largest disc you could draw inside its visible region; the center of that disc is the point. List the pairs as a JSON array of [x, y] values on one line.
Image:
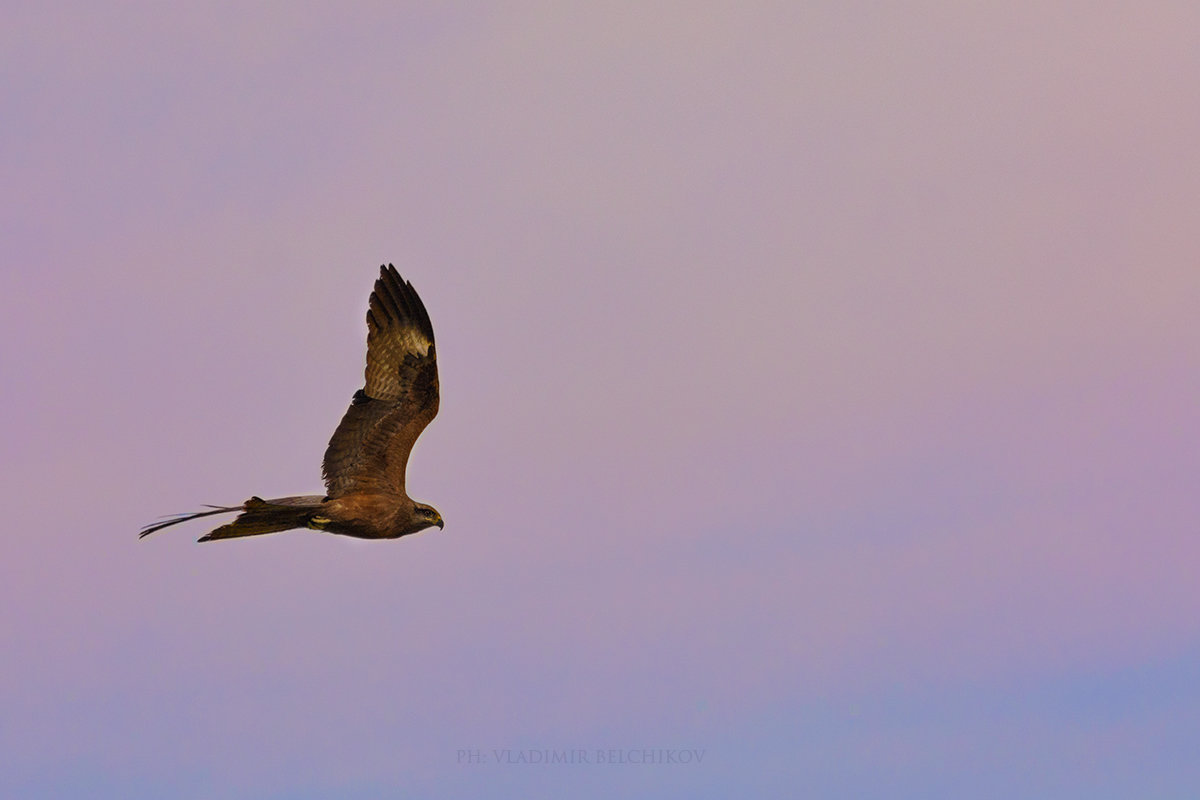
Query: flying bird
[[365, 462]]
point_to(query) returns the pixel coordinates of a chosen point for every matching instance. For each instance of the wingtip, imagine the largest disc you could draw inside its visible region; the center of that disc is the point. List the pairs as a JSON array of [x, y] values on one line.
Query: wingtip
[[388, 272], [395, 298]]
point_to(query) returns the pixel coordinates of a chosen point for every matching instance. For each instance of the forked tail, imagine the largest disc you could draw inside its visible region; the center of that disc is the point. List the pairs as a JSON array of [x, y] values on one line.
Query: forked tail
[[258, 516]]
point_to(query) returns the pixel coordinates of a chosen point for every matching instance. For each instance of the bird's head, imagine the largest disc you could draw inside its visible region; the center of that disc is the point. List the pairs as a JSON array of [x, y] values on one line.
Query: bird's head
[[425, 517]]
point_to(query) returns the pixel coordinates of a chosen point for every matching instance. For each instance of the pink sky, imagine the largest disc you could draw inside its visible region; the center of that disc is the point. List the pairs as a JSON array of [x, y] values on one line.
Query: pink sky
[[819, 389]]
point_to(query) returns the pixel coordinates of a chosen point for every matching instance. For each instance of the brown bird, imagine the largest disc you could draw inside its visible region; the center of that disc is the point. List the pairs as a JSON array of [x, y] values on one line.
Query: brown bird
[[366, 458]]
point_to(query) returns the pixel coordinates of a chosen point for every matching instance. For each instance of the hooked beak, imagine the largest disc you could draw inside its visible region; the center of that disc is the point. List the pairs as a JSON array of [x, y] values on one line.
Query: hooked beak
[[441, 525]]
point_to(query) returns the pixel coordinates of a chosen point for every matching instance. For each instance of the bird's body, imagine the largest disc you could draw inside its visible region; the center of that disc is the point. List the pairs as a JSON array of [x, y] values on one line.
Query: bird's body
[[364, 466]]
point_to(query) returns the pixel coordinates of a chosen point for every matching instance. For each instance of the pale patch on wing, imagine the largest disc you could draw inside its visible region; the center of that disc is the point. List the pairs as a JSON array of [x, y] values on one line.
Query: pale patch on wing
[[414, 341]]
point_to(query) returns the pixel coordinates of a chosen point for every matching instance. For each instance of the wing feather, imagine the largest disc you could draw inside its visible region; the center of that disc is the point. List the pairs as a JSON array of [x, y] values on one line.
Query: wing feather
[[370, 448]]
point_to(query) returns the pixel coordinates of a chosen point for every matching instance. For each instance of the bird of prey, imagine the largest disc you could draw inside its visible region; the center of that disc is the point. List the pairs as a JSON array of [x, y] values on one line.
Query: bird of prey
[[366, 458]]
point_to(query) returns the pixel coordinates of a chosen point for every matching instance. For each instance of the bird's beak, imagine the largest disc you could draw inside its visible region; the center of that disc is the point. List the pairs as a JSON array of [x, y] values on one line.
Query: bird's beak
[[441, 525]]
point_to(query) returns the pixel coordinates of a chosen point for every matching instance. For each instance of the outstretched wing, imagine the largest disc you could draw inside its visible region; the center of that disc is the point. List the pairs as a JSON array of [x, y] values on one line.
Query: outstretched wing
[[370, 448]]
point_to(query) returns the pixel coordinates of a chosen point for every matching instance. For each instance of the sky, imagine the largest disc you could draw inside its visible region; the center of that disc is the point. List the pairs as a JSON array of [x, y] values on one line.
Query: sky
[[819, 388]]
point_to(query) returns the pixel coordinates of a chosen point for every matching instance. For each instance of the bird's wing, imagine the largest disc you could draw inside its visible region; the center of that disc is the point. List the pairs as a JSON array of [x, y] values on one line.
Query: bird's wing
[[370, 448]]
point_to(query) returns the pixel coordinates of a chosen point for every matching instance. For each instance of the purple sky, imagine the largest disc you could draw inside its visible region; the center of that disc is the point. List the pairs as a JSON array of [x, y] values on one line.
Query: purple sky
[[819, 392]]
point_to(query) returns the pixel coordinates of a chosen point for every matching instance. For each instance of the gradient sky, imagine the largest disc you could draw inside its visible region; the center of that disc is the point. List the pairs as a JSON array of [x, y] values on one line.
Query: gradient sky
[[819, 391]]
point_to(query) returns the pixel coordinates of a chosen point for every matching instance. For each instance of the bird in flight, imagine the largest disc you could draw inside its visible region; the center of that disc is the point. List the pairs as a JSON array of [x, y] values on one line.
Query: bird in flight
[[366, 458]]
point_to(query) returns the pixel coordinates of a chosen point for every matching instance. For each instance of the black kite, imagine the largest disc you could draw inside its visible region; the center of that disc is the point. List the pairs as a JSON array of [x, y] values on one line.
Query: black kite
[[365, 461]]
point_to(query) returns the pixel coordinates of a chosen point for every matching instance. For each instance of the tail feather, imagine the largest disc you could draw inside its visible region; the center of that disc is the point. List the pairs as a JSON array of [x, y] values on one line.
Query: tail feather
[[262, 517], [178, 518], [258, 517]]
